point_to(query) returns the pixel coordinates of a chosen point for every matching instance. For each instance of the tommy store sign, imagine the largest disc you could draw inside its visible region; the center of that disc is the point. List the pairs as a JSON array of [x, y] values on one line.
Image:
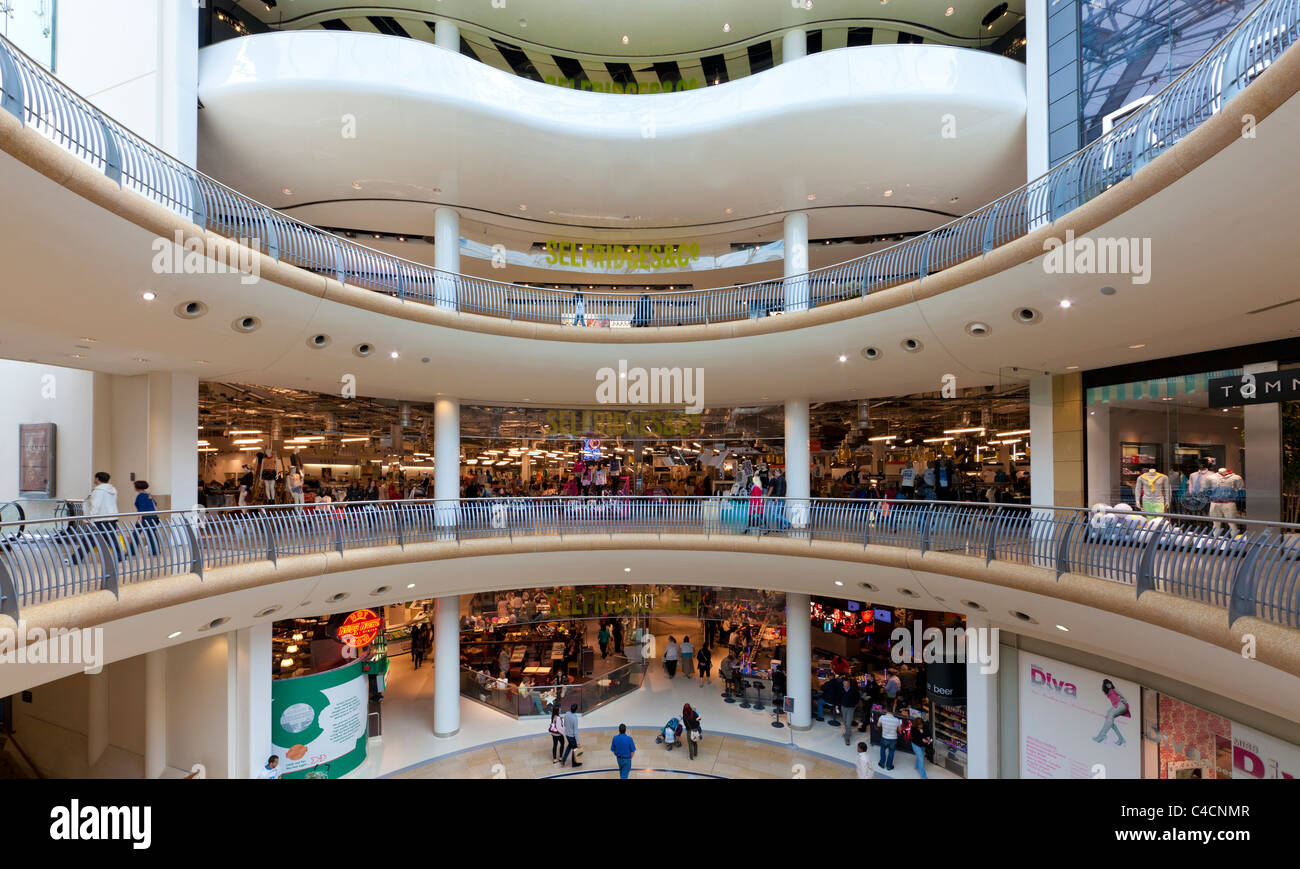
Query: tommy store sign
[[1263, 388]]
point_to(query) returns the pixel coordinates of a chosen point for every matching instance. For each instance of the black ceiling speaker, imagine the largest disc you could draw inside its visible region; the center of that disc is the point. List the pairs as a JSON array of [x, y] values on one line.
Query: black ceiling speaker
[[994, 14]]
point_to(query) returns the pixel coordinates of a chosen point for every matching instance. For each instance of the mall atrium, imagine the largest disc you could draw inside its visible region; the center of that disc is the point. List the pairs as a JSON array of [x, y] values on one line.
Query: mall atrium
[[815, 388]]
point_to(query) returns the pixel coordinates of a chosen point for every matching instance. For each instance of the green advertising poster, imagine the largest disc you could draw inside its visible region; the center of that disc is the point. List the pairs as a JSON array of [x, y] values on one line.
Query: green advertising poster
[[318, 722]]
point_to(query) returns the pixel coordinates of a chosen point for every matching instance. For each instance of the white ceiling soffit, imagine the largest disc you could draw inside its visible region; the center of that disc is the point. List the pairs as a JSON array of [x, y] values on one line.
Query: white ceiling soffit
[[88, 269], [364, 129], [662, 30]]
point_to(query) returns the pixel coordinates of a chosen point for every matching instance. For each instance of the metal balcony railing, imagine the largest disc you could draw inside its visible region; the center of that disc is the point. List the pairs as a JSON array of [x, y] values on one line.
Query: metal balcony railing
[[44, 103], [1244, 567]]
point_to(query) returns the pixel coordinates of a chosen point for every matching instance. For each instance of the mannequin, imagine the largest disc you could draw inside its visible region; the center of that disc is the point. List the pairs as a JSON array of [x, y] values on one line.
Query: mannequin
[[245, 485], [295, 485], [1151, 492], [270, 473], [1223, 488]]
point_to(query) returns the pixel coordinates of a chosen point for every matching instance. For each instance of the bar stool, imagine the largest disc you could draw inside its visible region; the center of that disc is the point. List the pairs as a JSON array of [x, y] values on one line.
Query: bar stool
[[758, 696], [744, 694]]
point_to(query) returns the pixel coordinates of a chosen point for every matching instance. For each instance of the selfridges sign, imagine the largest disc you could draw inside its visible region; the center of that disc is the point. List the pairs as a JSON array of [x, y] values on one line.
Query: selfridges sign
[[1265, 387]]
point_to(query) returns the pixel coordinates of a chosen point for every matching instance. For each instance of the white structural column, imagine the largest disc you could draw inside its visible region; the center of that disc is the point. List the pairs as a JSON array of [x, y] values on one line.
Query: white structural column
[[96, 716], [1036, 88], [446, 459], [795, 287], [1102, 481], [794, 45], [248, 700], [155, 713], [173, 465], [797, 477], [981, 705], [1042, 489], [1262, 424], [798, 659], [446, 34], [446, 666], [446, 255]]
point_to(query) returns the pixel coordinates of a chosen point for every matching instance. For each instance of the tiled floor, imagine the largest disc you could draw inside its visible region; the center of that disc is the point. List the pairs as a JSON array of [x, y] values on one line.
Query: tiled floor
[[408, 740], [719, 757]]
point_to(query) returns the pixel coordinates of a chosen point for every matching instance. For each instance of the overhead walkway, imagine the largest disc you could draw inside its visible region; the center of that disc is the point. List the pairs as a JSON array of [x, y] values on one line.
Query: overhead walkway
[[37, 99]]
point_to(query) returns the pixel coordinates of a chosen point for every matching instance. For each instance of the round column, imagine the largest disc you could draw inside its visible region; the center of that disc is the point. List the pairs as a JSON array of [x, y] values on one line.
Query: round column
[[155, 713], [446, 666], [446, 459], [797, 477], [795, 288], [798, 659], [446, 34], [794, 45], [446, 255]]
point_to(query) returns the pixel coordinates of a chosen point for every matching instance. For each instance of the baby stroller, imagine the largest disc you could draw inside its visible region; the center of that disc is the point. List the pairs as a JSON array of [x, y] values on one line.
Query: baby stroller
[[671, 733]]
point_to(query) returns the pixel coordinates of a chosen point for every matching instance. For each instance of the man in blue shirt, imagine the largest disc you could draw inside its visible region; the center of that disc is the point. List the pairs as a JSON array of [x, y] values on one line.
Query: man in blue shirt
[[623, 748]]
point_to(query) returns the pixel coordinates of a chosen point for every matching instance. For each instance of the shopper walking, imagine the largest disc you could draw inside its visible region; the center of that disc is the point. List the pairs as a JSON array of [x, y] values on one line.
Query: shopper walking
[[618, 636], [688, 657], [417, 646], [571, 736], [849, 698], [102, 501], [147, 526], [623, 748], [889, 724], [691, 721], [704, 663], [671, 655], [921, 740], [603, 639], [556, 729]]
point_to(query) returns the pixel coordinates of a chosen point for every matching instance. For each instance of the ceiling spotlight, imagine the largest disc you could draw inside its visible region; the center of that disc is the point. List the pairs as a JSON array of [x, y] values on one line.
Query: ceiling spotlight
[[286, 191], [844, 358], [1071, 367], [1136, 346], [889, 192], [410, 585], [148, 297], [948, 11], [173, 635], [1063, 628], [356, 185], [1065, 303], [812, 196], [393, 354], [625, 39], [627, 570], [523, 207], [838, 582], [726, 28]]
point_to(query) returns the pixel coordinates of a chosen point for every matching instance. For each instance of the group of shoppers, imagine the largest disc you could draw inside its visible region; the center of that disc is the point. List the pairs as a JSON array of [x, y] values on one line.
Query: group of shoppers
[[897, 726]]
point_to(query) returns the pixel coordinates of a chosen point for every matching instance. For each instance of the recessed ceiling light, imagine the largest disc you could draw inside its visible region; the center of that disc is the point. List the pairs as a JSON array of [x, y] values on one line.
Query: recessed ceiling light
[[812, 196], [1136, 346], [625, 39], [627, 570], [356, 185], [838, 582], [844, 358], [954, 199], [523, 22], [78, 355], [889, 192], [286, 191], [90, 340], [948, 11], [1065, 303], [410, 585], [1063, 628], [393, 354], [1071, 367], [523, 207], [148, 297], [729, 210], [173, 635], [726, 28]]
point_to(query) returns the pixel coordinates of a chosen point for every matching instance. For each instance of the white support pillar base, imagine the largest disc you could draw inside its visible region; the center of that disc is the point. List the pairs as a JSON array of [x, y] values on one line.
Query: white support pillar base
[[248, 699], [446, 34], [446, 667], [798, 663], [794, 45], [795, 292], [798, 480], [155, 713]]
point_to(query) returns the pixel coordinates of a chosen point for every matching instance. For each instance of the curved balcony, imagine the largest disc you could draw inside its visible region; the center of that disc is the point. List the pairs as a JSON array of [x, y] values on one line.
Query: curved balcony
[[1254, 574], [37, 99]]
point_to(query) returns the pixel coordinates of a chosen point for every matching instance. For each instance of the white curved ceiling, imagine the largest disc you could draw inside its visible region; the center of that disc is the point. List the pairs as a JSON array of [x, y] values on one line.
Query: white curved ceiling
[[1197, 300], [903, 134], [662, 29]]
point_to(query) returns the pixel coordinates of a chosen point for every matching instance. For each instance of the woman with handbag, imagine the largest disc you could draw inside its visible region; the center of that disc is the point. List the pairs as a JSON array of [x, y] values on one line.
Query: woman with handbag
[[691, 720], [556, 729]]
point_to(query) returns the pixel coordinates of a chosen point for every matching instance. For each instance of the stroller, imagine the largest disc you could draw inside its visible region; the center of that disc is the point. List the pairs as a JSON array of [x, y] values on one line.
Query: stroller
[[671, 733]]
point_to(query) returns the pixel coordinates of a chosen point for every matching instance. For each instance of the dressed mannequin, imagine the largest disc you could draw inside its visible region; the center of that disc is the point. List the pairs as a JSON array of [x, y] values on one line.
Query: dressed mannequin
[[270, 473], [295, 485], [245, 485], [1223, 489], [1151, 492]]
